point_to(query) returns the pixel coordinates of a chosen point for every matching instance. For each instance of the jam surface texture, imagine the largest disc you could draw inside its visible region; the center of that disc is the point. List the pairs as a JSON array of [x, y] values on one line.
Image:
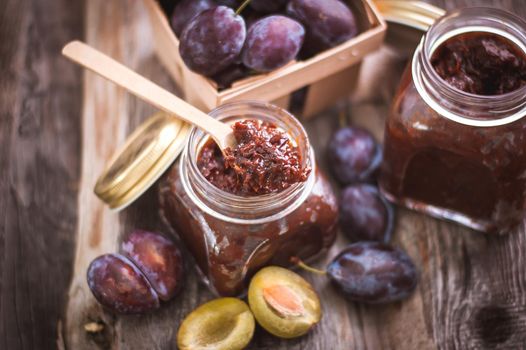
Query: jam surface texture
[[481, 63], [264, 161]]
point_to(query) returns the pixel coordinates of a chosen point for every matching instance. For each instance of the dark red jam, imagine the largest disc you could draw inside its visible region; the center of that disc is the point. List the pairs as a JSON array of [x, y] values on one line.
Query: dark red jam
[[481, 63], [469, 174], [264, 161], [229, 240], [228, 253]]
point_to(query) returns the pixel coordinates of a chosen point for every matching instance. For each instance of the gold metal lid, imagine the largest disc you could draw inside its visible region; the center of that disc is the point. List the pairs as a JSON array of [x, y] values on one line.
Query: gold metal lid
[[415, 14], [145, 156], [407, 22]]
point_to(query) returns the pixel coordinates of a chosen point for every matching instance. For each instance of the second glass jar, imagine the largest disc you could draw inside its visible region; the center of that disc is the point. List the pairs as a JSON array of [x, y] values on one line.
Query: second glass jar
[[453, 154]]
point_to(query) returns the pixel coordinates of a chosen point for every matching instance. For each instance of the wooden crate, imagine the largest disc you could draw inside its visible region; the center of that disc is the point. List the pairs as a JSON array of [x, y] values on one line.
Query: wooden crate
[[327, 77]]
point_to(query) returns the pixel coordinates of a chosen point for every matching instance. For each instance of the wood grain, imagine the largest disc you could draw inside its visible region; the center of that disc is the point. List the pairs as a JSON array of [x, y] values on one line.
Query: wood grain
[[55, 139], [105, 123], [40, 99]]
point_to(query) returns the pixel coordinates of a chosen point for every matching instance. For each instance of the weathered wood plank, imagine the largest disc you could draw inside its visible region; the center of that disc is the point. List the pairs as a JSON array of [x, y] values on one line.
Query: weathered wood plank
[[472, 293], [40, 98], [114, 27]]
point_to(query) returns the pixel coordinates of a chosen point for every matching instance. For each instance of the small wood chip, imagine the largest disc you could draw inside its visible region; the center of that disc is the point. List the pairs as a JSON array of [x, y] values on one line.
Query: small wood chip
[[284, 301], [93, 327]]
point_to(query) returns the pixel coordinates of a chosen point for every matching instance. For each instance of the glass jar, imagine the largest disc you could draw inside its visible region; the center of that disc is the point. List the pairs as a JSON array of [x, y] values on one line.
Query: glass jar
[[452, 154], [231, 236]]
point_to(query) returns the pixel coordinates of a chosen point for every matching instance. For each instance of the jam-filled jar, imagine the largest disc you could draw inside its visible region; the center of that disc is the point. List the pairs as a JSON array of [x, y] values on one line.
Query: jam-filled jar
[[455, 139], [230, 235]]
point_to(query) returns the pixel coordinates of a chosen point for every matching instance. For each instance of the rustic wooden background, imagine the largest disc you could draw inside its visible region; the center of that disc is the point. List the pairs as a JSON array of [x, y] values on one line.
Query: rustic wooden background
[[59, 125]]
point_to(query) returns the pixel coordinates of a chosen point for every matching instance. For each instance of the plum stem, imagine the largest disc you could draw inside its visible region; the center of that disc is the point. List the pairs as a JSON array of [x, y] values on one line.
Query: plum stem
[[242, 7], [298, 262], [342, 116]]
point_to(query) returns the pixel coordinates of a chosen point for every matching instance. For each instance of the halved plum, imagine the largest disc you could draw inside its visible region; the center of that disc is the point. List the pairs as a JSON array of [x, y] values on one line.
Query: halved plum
[[283, 302]]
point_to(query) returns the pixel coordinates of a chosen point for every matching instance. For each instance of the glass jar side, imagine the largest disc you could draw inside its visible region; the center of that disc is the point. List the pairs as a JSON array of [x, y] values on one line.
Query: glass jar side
[[471, 174], [230, 238], [227, 253]]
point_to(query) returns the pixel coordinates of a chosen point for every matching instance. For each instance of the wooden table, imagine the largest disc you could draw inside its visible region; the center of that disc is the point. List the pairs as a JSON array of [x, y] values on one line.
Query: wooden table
[[58, 126]]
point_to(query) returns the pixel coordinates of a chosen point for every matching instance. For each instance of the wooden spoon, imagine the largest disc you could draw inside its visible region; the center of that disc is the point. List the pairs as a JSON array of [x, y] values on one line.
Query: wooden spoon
[[145, 89]]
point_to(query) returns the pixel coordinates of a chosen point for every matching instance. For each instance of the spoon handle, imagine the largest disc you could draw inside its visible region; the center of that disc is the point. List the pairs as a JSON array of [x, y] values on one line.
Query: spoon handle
[[145, 89]]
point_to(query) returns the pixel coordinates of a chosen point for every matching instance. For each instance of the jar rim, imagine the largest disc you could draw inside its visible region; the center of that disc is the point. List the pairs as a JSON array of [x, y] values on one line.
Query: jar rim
[[512, 103], [261, 208]]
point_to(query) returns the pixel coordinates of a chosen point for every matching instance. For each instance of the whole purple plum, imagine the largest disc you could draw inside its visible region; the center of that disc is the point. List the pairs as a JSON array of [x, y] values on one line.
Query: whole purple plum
[[354, 155], [212, 40], [365, 215], [375, 273], [272, 42]]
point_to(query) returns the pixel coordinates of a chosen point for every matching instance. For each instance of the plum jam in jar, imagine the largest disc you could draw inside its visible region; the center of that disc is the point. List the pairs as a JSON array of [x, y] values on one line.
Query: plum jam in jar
[[455, 139], [233, 229]]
